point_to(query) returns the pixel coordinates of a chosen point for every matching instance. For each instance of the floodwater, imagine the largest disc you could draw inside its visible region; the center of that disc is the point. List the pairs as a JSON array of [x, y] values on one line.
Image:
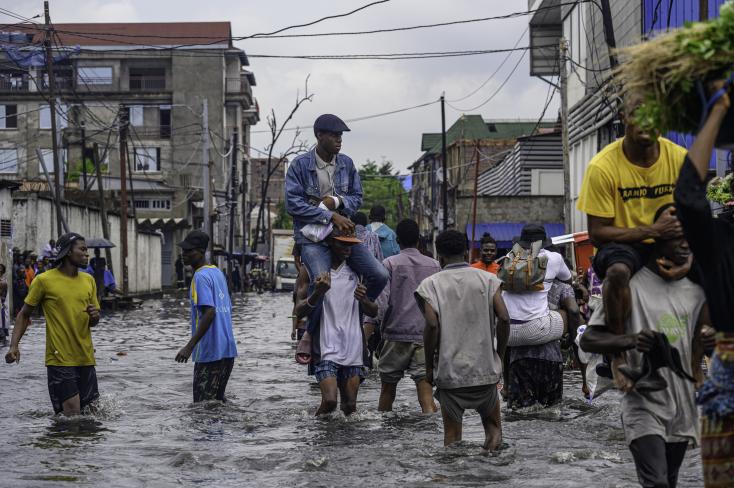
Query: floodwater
[[148, 433]]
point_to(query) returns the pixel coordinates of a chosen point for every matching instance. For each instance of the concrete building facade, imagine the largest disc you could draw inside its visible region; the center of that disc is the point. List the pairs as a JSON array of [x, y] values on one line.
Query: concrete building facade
[[109, 75]]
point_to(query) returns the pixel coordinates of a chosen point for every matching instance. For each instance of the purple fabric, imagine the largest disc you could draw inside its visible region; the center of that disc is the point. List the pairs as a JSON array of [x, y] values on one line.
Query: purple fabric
[[595, 283], [399, 314], [371, 240]]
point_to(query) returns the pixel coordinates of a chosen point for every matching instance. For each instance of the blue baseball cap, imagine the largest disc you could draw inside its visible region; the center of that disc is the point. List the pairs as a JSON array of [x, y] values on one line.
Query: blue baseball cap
[[330, 123]]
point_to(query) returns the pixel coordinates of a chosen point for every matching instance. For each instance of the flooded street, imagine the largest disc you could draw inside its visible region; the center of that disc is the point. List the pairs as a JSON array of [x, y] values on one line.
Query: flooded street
[[149, 433]]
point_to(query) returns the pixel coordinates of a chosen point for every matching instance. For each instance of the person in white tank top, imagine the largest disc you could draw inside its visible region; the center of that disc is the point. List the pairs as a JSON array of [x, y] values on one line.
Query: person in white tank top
[[341, 296]]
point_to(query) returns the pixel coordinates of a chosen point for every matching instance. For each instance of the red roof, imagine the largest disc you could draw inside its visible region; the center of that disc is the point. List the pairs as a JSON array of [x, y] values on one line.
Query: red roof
[[138, 34]]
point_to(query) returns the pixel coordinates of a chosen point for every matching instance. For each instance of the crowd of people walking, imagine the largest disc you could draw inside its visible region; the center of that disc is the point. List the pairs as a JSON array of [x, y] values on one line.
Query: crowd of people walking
[[470, 334]]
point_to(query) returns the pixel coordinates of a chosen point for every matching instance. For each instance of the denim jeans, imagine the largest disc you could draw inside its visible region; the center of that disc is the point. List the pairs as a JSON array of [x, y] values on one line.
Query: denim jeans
[[316, 256]]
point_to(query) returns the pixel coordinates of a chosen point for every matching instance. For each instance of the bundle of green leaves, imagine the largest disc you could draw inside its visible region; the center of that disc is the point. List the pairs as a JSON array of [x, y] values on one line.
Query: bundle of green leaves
[[665, 71], [719, 190]]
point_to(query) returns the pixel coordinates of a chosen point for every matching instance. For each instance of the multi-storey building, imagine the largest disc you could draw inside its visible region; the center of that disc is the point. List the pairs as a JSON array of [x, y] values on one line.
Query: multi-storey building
[[593, 120], [470, 139], [160, 78]]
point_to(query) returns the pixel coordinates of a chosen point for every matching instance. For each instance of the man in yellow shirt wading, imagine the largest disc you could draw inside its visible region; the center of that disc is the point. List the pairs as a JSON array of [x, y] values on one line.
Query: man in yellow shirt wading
[[623, 187], [68, 299]]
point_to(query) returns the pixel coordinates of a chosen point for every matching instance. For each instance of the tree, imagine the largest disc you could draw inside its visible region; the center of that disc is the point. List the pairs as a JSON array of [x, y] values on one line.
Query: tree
[[283, 219], [296, 147], [381, 185]]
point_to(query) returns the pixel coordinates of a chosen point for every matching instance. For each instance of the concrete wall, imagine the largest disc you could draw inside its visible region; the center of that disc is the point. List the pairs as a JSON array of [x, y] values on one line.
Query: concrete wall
[[34, 224], [525, 209]]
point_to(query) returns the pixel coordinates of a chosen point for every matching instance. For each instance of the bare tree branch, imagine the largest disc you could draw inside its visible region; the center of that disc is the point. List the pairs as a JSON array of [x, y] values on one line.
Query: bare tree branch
[[296, 147]]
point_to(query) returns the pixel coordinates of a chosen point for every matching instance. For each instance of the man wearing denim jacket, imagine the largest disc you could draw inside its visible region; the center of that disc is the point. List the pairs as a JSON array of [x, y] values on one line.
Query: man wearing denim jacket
[[322, 186]]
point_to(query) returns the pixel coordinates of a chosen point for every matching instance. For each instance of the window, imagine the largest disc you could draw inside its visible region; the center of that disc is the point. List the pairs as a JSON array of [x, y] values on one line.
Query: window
[[44, 116], [6, 228], [8, 160], [160, 204], [147, 159], [48, 159], [135, 115], [165, 121], [94, 75], [153, 204], [8, 116], [147, 79]]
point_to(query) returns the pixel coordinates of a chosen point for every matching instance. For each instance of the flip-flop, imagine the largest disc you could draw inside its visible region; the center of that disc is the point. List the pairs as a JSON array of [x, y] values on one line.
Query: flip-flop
[[303, 349]]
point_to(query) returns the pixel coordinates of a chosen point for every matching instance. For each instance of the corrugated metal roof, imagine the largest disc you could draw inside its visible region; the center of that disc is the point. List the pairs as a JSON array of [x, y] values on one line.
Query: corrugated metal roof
[[138, 33], [505, 232], [512, 176], [513, 130], [429, 140], [474, 127]]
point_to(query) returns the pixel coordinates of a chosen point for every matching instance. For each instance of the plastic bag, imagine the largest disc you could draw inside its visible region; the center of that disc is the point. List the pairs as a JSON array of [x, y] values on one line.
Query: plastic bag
[[317, 232], [597, 384]]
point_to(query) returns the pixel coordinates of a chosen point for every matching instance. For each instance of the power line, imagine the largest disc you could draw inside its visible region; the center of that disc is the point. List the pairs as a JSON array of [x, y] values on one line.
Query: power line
[[330, 34], [399, 56], [321, 19], [494, 73], [499, 89], [357, 119], [14, 15]]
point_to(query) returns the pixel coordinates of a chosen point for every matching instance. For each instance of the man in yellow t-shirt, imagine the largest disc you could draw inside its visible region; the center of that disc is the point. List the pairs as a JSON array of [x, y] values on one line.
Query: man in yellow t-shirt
[[68, 299], [623, 187]]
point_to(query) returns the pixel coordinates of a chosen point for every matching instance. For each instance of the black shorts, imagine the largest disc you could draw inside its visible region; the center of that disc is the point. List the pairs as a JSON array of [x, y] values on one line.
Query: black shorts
[[65, 382], [634, 256], [210, 379]]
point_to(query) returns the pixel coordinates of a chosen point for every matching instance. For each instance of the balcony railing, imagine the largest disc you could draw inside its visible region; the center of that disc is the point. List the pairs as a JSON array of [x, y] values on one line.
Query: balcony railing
[[238, 85], [14, 83], [159, 132], [147, 83]]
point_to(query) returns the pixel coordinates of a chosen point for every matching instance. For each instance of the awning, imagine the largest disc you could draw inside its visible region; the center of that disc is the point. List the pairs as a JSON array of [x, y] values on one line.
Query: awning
[[567, 238], [504, 232], [161, 223]]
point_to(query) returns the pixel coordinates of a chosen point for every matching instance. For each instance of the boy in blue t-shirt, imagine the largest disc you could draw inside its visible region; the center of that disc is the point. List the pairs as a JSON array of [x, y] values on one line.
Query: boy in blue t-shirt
[[212, 341]]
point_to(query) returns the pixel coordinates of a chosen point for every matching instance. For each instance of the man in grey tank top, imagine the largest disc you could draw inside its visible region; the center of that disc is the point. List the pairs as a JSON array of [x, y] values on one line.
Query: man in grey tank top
[[658, 423]]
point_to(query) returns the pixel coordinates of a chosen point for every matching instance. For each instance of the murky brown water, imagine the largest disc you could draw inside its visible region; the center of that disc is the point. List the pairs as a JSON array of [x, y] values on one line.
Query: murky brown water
[[150, 434]]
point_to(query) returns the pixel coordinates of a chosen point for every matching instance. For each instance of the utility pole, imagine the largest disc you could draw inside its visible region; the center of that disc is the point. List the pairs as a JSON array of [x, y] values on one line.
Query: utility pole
[[444, 162], [563, 48], [84, 159], [102, 204], [52, 108], [232, 200], [123, 198], [606, 14], [474, 203], [245, 210], [205, 167]]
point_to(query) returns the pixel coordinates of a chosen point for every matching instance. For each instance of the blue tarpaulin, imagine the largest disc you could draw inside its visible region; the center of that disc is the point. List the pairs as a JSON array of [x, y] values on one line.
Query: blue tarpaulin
[[504, 232]]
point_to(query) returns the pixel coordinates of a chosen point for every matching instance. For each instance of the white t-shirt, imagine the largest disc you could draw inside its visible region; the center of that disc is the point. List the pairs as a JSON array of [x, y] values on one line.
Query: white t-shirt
[[341, 334], [531, 305]]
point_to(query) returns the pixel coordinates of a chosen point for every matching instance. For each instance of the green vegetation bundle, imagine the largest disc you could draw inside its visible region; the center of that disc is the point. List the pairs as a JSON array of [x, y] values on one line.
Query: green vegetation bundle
[[664, 72], [719, 190]]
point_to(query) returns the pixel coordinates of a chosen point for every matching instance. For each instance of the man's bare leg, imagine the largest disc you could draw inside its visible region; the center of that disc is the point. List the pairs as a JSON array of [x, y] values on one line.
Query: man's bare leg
[[452, 429], [328, 396], [493, 428], [348, 391], [72, 406], [425, 396], [387, 396], [617, 307]]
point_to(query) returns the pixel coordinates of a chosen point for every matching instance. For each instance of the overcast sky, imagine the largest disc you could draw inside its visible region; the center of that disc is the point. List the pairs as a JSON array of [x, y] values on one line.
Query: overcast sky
[[351, 88]]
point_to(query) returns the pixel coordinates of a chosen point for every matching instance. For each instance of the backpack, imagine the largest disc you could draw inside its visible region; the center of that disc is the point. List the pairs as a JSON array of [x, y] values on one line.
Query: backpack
[[523, 270]]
